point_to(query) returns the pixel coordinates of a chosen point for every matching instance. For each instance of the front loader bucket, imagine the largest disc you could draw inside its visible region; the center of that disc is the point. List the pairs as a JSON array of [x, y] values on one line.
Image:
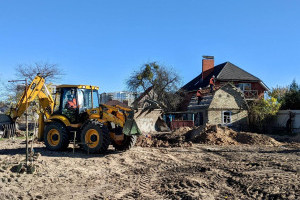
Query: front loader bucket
[[7, 126], [146, 120], [130, 126]]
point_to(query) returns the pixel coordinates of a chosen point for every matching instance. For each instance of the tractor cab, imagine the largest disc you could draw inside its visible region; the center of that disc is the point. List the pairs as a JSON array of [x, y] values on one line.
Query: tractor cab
[[73, 101]]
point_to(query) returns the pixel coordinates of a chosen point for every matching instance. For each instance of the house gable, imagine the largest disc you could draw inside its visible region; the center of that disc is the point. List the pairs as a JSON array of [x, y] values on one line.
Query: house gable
[[229, 101], [228, 97]]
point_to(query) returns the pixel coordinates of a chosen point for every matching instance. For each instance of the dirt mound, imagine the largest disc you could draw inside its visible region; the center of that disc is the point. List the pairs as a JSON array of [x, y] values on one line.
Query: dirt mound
[[182, 130], [164, 140], [222, 135], [145, 141], [210, 134], [167, 139]]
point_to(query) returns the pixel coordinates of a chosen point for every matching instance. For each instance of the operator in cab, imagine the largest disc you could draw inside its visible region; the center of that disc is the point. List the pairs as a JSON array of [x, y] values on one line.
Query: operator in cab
[[71, 107], [71, 103]]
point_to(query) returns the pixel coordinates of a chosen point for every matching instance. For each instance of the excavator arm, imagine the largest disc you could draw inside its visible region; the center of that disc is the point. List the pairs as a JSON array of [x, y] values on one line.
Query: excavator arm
[[37, 88]]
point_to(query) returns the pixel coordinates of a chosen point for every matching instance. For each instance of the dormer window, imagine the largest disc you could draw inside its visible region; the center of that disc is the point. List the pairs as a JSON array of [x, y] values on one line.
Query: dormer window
[[244, 86]]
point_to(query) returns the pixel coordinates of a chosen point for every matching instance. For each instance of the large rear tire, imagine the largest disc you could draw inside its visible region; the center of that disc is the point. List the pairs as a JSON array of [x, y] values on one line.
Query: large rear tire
[[95, 137], [127, 143], [56, 136]]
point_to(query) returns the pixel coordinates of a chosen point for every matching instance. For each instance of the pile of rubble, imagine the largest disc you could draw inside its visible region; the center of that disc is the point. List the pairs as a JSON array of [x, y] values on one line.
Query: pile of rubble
[[169, 139], [222, 135], [209, 134]]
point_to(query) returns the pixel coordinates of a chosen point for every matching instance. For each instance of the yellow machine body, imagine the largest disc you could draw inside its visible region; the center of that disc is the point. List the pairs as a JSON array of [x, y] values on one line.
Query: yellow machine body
[[93, 121]]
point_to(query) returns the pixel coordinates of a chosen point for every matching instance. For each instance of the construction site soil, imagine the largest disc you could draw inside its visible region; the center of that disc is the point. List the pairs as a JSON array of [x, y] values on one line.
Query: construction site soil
[[205, 163], [210, 134]]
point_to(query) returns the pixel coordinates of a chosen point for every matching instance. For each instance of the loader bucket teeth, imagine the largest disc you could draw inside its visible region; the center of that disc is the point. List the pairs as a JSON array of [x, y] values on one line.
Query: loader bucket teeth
[[7, 126]]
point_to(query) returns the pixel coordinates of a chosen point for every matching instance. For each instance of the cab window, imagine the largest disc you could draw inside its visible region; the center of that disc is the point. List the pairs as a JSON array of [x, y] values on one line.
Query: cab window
[[57, 101], [84, 99], [95, 99]]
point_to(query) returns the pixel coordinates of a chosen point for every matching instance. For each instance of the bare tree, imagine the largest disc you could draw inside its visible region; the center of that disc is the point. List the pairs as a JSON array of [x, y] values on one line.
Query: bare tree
[[49, 71], [163, 81]]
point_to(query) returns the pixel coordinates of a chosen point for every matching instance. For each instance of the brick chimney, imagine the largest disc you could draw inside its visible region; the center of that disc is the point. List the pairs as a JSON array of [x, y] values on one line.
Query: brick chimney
[[207, 66]]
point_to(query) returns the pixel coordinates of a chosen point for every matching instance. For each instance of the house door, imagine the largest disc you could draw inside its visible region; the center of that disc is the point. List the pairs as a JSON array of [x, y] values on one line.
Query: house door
[[199, 119]]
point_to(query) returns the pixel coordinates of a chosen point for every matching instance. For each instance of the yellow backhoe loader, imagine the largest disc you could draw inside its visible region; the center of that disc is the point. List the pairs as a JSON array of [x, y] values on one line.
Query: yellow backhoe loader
[[77, 108]]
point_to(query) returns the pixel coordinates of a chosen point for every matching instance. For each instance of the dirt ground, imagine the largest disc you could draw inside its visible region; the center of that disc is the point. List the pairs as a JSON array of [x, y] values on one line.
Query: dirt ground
[[197, 172]]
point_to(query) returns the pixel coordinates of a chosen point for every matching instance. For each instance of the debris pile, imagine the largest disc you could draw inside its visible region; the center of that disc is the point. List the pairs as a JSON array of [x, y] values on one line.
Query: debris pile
[[147, 141], [182, 130], [170, 139], [209, 134], [222, 135]]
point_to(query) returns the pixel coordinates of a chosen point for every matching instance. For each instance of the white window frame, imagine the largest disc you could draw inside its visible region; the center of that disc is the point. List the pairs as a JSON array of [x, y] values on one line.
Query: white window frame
[[243, 85], [223, 117]]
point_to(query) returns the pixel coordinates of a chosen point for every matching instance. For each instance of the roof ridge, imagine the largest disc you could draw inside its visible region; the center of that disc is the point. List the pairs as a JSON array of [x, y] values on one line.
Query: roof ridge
[[242, 70], [225, 63]]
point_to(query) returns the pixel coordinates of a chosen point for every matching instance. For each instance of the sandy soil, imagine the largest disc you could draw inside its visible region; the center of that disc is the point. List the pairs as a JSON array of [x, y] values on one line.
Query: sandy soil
[[197, 172]]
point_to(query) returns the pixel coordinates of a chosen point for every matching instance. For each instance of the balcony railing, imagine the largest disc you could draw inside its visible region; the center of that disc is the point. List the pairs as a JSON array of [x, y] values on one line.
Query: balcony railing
[[251, 94]]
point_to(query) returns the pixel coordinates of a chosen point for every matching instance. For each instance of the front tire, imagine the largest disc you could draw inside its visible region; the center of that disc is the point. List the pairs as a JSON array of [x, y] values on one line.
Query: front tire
[[95, 137], [56, 136], [127, 143]]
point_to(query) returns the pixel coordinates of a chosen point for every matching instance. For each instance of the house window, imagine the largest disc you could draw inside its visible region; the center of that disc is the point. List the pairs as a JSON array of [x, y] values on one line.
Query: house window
[[244, 86], [226, 117]]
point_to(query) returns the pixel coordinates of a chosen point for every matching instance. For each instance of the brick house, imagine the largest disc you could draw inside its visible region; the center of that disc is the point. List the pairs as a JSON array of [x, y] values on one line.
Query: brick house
[[228, 104]]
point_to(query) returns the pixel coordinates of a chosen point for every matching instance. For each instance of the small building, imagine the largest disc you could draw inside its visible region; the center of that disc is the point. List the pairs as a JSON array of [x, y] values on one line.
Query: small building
[[227, 106]]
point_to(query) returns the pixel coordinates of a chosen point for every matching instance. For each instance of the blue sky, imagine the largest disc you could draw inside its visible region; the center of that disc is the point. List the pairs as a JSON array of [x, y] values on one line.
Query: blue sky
[[102, 42]]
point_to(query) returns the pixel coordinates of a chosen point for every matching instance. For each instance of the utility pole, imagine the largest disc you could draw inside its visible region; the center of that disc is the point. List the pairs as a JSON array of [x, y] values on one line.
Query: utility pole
[[26, 122], [26, 115]]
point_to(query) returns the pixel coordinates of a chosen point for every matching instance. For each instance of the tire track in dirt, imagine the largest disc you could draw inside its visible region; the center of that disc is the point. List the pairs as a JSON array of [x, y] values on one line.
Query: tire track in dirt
[[148, 176], [197, 172], [253, 180], [183, 182], [141, 175], [176, 181]]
